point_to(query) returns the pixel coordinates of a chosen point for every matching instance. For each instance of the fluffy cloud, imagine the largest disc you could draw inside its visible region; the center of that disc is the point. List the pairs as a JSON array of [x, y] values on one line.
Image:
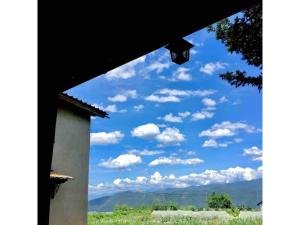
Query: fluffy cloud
[[210, 68], [103, 138], [171, 118], [162, 99], [175, 161], [184, 114], [170, 136], [156, 180], [209, 102], [138, 108], [255, 152], [201, 115], [181, 74], [227, 129], [109, 108], [121, 162], [217, 133], [145, 152], [176, 92], [124, 96], [125, 71], [175, 95], [146, 131], [158, 67], [211, 143]]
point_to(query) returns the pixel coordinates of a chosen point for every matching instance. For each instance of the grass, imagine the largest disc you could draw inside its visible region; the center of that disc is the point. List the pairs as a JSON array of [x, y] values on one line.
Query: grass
[[124, 215]]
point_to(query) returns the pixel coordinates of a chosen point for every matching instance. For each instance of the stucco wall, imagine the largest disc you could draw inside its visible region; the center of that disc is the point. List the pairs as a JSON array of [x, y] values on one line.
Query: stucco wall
[[71, 157]]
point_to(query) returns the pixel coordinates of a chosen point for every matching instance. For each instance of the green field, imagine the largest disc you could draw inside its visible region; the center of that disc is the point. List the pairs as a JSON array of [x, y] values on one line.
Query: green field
[[145, 216]]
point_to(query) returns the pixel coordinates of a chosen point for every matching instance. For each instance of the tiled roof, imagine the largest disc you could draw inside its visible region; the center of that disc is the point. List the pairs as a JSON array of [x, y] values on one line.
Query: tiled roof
[[93, 111]]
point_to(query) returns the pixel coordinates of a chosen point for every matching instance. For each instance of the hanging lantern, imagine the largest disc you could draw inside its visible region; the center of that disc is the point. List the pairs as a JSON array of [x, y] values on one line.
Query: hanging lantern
[[179, 51]]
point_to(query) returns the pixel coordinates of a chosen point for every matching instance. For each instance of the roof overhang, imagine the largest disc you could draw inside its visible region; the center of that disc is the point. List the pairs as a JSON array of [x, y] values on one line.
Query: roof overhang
[[89, 39]]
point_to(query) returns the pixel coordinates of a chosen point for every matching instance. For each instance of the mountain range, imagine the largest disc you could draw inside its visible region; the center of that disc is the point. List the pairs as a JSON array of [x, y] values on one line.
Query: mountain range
[[247, 193]]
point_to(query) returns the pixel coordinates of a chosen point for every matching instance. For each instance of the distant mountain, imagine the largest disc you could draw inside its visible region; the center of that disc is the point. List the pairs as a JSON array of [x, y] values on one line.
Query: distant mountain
[[247, 193]]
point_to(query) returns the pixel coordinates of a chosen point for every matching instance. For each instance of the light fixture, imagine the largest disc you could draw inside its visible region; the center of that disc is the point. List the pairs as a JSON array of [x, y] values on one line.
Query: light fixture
[[179, 50]]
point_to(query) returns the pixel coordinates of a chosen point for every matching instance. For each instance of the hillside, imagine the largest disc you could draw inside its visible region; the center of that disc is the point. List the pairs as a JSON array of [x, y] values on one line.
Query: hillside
[[247, 193]]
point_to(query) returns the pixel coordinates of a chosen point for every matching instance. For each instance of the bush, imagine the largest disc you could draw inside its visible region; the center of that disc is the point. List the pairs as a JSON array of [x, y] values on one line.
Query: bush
[[189, 208], [219, 201], [165, 206], [122, 209]]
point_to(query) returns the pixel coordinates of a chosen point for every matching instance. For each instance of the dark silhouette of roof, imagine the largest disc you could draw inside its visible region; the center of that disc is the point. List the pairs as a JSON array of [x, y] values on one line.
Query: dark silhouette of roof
[[85, 40], [91, 110]]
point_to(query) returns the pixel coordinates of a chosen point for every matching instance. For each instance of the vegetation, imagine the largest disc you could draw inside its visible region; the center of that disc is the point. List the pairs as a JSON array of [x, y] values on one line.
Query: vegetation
[[244, 36], [165, 206], [219, 201], [124, 215]]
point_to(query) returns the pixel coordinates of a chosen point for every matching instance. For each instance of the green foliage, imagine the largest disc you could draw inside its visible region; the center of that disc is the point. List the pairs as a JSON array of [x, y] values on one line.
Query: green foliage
[[243, 207], [244, 36], [165, 206], [219, 201], [235, 212], [189, 208], [138, 216]]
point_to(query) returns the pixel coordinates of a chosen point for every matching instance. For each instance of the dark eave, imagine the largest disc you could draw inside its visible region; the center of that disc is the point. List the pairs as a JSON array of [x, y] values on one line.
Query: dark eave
[[88, 39], [93, 111]]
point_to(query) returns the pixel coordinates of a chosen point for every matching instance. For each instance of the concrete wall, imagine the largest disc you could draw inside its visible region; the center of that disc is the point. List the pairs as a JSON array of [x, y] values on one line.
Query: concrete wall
[[71, 157]]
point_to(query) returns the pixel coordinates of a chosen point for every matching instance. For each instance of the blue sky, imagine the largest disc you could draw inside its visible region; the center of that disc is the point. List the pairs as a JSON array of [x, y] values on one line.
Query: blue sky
[[171, 125]]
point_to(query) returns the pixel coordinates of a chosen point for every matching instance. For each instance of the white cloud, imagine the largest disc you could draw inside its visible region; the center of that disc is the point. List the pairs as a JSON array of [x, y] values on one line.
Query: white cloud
[[175, 95], [255, 152], [181, 74], [210, 68], [171, 118], [209, 102], [184, 114], [238, 140], [170, 136], [124, 96], [236, 126], [217, 133], [209, 109], [145, 152], [103, 138], [226, 129], [176, 92], [202, 115], [156, 180], [125, 71], [211, 143], [223, 99], [222, 176], [158, 67], [109, 108], [193, 52], [162, 125], [138, 108], [149, 130], [122, 161], [162, 99], [175, 161], [118, 98]]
